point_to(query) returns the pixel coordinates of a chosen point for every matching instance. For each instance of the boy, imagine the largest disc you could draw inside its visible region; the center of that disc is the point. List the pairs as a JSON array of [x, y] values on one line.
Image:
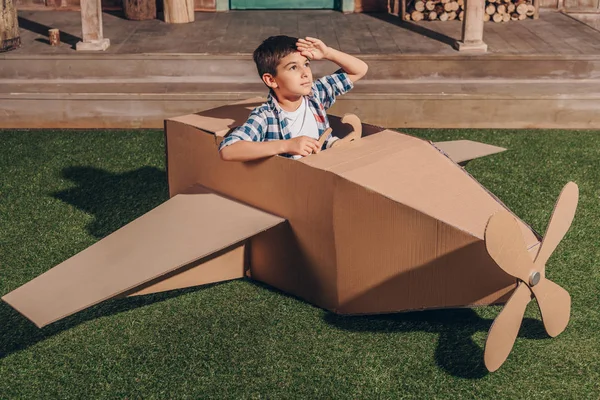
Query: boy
[[294, 117]]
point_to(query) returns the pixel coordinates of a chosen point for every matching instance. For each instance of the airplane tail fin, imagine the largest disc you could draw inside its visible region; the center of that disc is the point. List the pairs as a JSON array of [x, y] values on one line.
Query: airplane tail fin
[[463, 151]]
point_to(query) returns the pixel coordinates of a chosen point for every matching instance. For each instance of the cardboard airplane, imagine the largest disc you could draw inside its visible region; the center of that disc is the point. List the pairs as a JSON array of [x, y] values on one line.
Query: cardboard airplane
[[381, 222]]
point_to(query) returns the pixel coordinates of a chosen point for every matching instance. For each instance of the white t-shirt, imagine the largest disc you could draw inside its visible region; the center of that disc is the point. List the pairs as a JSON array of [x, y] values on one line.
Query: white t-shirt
[[302, 122]]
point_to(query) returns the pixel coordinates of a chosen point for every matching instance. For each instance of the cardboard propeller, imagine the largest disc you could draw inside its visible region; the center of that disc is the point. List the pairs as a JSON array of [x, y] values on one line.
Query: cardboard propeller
[[504, 243]]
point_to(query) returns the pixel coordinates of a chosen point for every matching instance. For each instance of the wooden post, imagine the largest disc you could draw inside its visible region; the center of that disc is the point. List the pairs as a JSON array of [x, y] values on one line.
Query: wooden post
[[9, 26], [139, 10], [472, 29], [403, 10], [178, 11], [536, 4], [393, 7], [91, 26]]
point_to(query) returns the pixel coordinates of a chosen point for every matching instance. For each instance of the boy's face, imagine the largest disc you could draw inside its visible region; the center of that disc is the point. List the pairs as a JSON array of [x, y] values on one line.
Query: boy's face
[[294, 77]]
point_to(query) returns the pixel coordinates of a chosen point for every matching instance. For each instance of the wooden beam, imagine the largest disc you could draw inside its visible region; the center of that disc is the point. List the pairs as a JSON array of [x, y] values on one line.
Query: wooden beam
[[91, 26]]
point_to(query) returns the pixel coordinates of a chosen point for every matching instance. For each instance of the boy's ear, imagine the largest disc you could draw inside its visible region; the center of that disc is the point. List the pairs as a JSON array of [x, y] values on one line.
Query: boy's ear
[[269, 80]]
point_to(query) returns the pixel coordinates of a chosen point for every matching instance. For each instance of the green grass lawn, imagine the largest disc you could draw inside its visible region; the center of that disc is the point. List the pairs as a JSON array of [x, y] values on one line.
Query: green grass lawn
[[61, 191]]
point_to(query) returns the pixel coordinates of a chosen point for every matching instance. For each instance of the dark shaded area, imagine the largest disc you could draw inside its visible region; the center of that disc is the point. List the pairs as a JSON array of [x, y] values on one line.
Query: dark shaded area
[[41, 29], [18, 333], [411, 26], [456, 352], [116, 13], [114, 199]]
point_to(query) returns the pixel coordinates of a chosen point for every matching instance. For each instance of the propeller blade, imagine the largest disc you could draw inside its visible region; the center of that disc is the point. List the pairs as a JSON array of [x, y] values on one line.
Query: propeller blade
[[505, 328], [560, 222], [505, 244], [555, 306]]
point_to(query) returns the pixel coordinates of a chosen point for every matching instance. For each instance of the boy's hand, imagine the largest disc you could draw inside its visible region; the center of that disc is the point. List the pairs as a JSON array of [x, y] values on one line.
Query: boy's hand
[[302, 146], [313, 49]]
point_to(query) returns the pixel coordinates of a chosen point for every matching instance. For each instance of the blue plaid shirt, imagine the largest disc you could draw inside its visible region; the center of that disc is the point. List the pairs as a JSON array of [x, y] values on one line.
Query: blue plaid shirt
[[266, 123]]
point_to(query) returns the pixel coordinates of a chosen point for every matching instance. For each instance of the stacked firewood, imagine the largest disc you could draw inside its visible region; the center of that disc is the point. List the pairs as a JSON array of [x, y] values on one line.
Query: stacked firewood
[[447, 10]]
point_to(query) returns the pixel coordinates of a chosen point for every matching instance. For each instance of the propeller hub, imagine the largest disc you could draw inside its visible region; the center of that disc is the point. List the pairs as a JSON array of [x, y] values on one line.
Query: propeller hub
[[534, 278]]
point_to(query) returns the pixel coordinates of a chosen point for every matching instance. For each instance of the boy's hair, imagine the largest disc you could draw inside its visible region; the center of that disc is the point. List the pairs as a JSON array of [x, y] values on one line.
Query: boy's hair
[[271, 51]]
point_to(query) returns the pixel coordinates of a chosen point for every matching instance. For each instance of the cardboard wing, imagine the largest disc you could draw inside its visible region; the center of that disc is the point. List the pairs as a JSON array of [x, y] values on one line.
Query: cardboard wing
[[191, 239]]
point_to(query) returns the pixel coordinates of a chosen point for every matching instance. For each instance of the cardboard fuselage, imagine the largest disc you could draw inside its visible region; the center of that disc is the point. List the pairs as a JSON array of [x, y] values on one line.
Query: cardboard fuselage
[[383, 224]]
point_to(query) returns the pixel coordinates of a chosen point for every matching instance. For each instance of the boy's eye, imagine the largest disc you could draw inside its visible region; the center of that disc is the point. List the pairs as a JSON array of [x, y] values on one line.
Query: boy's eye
[[293, 67], [306, 64]]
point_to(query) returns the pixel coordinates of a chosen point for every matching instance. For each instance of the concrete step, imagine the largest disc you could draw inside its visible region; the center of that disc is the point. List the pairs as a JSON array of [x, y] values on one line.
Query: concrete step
[[480, 88], [240, 68], [423, 102], [401, 90]]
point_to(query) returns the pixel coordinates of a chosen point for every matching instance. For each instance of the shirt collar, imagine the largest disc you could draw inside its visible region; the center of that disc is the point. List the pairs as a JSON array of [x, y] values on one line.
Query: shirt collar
[[274, 104]]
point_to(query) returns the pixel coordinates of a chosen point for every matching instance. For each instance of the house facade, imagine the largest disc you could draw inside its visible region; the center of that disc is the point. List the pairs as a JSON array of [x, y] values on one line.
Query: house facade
[[340, 5]]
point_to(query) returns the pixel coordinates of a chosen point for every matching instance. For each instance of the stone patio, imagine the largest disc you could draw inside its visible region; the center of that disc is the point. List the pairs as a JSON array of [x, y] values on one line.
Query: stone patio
[[239, 32]]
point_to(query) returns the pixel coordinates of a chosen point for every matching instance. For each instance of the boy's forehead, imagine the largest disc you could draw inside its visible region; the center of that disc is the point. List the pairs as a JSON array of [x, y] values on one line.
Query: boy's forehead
[[296, 56]]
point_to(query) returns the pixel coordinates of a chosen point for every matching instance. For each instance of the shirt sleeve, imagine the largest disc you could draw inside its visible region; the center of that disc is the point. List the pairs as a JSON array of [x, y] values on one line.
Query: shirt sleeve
[[254, 130], [331, 86]]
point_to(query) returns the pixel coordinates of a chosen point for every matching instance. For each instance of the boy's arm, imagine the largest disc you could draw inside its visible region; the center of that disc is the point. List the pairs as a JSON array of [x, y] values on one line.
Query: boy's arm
[[248, 143], [244, 150], [252, 131], [315, 49], [354, 67]]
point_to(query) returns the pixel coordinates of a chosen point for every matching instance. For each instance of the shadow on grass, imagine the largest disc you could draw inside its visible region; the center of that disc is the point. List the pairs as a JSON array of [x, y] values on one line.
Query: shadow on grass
[[114, 199], [456, 351], [18, 333]]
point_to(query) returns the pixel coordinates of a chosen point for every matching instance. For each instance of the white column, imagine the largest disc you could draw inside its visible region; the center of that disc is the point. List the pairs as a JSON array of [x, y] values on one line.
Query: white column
[[472, 29], [91, 26]]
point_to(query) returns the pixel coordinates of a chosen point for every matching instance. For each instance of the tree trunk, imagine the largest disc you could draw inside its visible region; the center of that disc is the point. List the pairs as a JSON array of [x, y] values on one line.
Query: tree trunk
[[139, 10], [9, 26]]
